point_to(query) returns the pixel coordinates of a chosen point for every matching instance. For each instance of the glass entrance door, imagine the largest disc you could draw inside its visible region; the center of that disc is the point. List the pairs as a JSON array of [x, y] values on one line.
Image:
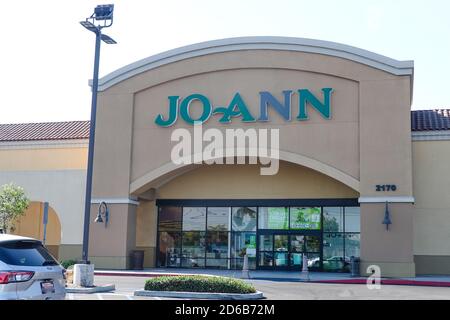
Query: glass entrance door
[[281, 250], [285, 251]]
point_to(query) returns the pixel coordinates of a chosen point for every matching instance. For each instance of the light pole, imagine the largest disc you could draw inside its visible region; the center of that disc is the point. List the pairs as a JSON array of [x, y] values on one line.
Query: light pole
[[103, 15]]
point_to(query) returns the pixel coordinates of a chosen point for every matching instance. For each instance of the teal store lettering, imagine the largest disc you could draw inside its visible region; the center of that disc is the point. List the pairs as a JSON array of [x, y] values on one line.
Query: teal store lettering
[[237, 108]]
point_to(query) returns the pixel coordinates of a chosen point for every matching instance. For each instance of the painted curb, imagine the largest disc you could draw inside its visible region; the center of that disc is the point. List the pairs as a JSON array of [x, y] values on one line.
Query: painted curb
[[403, 282], [395, 282], [200, 295], [98, 289]]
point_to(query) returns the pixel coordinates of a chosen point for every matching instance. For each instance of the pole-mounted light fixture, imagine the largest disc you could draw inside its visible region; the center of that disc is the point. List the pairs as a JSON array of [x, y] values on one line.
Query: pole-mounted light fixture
[[102, 212], [101, 18], [387, 219]]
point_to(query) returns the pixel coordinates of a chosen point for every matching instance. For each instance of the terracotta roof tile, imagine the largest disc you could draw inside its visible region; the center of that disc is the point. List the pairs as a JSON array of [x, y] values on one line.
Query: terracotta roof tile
[[44, 131]]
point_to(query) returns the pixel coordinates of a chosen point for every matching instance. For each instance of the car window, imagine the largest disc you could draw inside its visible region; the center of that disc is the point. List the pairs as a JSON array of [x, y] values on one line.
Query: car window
[[25, 253]]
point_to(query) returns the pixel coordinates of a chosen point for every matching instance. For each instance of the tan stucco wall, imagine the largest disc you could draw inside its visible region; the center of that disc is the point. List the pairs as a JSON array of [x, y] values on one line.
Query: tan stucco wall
[[70, 251], [364, 100], [385, 133], [391, 250], [31, 224], [50, 171], [110, 247], [37, 159], [431, 165], [245, 182], [113, 139], [146, 219]]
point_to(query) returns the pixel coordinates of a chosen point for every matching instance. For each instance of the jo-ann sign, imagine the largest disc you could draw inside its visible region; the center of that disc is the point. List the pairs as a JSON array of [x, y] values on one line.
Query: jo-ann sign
[[237, 108]]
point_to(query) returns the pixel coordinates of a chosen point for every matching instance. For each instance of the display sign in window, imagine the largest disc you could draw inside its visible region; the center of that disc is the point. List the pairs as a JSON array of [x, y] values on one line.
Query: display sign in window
[[274, 218], [305, 218]]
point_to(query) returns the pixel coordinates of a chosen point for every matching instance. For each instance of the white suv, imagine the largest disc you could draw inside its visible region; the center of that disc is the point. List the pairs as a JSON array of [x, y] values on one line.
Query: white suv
[[28, 270]]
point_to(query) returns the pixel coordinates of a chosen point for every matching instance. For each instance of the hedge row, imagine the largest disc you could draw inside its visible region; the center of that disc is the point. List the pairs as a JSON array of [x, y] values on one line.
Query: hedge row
[[198, 284], [68, 263]]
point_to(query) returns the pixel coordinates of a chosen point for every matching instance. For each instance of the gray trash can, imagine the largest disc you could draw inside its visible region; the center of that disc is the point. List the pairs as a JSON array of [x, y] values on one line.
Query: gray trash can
[[354, 266], [137, 259]]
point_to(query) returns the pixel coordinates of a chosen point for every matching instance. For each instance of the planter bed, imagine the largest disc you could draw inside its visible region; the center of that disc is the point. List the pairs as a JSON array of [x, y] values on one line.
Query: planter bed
[[199, 287]]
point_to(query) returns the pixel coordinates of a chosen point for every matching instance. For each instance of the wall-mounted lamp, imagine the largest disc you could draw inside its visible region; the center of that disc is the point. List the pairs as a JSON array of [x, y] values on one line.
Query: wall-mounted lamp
[[102, 212], [387, 219]]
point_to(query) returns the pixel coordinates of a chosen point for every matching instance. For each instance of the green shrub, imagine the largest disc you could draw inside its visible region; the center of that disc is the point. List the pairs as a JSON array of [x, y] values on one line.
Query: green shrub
[[66, 264], [198, 284]]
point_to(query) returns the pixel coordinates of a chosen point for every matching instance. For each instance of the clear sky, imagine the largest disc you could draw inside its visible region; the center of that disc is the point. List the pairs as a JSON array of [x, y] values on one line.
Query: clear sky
[[46, 56]]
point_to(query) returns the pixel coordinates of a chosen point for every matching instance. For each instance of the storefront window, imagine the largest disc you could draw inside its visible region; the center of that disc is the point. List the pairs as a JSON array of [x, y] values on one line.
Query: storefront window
[[169, 254], [333, 219], [217, 245], [194, 219], [218, 219], [243, 242], [352, 219], [218, 237], [333, 252], [313, 261], [280, 248], [273, 218], [297, 243], [170, 218], [193, 244], [352, 244], [244, 219], [312, 244], [266, 242], [266, 259], [238, 263], [305, 218], [218, 263], [281, 242]]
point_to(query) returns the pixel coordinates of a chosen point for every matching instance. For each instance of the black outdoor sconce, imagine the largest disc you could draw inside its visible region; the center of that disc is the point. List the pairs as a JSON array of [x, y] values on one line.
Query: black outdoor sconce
[[387, 219], [102, 212]]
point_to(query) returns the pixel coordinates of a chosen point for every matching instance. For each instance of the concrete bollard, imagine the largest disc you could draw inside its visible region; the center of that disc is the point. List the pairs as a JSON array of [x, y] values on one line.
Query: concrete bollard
[[245, 273], [305, 271], [83, 275]]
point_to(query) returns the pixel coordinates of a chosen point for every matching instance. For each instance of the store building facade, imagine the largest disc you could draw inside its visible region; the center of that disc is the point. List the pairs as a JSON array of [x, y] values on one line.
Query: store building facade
[[330, 162], [350, 157]]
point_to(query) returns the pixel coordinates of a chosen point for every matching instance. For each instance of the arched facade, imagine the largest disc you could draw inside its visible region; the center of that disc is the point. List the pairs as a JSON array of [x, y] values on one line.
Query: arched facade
[[31, 224], [283, 84]]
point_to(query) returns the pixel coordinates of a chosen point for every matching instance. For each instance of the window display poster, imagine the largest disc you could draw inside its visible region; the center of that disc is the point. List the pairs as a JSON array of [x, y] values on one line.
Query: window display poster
[[305, 218], [278, 218]]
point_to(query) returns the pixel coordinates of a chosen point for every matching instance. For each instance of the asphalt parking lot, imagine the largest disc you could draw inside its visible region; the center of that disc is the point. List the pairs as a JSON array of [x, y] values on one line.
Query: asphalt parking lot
[[281, 290]]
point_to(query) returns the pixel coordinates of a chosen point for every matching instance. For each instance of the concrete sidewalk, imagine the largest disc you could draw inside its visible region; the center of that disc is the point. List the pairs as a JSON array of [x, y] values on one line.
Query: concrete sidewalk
[[289, 276]]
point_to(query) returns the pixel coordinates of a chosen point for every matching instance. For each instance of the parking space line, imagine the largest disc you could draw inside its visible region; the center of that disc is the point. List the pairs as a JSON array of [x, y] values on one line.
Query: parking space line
[[99, 296]]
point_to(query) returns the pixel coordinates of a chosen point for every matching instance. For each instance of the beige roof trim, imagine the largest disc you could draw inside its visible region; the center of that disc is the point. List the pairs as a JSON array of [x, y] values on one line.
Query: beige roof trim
[[258, 43], [45, 144], [390, 199]]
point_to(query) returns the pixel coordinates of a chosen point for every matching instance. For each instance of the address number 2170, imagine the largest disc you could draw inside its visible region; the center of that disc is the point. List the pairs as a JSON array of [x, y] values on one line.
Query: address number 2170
[[385, 187]]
